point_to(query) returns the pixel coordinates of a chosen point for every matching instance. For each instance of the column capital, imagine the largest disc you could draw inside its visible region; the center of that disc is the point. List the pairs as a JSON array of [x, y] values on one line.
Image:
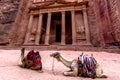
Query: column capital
[[49, 13], [40, 14], [84, 9], [72, 11], [31, 13], [63, 12]]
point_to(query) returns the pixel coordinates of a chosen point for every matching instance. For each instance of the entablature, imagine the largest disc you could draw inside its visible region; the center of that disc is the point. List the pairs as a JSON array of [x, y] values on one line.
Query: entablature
[[56, 6]]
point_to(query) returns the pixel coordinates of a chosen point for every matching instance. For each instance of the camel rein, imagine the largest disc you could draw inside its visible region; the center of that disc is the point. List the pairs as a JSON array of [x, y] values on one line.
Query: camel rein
[[53, 67]]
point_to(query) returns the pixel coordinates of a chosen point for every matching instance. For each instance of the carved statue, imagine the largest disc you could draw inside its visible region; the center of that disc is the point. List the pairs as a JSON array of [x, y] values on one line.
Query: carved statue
[[73, 66], [80, 28]]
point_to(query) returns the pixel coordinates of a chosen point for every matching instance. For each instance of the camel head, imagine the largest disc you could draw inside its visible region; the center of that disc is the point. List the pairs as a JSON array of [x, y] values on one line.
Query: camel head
[[56, 55], [22, 52]]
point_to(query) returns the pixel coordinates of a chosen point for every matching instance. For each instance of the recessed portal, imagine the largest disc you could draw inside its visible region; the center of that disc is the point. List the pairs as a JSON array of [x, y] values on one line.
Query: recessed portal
[[58, 33]]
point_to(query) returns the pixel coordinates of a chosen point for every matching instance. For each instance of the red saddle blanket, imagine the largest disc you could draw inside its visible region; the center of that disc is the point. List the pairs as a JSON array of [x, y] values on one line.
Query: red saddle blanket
[[35, 57]]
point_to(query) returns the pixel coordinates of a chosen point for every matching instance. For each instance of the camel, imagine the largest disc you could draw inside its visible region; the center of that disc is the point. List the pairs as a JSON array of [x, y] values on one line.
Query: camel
[[29, 63], [73, 66]]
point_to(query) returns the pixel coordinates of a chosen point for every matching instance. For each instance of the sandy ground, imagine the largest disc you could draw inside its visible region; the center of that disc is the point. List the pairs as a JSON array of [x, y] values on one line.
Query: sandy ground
[[9, 69]]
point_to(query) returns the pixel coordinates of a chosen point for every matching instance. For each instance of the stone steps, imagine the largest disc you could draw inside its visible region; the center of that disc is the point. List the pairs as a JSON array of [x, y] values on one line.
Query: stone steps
[[66, 48]]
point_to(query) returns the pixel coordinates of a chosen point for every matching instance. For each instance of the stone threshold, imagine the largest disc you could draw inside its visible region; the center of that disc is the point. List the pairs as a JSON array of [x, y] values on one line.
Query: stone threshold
[[61, 47]]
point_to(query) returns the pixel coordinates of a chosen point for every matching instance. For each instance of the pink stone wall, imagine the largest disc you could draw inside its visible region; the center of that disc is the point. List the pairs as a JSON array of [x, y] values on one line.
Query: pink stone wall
[[19, 28], [115, 18], [95, 23], [103, 19], [109, 14]]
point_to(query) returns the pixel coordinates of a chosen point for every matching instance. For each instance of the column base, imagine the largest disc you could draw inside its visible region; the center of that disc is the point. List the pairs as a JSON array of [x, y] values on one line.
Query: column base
[[37, 44], [74, 44], [88, 43], [63, 44], [84, 43], [25, 43], [28, 44], [47, 44]]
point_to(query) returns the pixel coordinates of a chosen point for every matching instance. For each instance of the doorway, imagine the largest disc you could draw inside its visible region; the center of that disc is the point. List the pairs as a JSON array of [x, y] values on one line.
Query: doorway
[[58, 33]]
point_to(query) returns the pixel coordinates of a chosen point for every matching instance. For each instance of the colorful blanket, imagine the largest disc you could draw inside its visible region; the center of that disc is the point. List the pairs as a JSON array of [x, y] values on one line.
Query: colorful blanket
[[88, 65], [35, 57]]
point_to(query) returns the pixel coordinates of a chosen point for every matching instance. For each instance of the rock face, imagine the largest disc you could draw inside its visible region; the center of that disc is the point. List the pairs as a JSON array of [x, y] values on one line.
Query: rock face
[[8, 11], [103, 19]]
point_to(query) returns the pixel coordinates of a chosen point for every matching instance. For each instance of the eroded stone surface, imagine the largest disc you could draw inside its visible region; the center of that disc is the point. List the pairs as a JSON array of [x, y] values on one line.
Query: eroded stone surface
[[8, 11]]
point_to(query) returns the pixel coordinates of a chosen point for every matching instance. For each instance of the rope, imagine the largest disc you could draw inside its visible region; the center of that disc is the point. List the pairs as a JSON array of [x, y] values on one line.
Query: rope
[[19, 58], [53, 67]]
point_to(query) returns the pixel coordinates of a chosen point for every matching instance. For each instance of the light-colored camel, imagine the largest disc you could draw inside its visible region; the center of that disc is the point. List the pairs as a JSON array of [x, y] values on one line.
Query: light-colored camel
[[26, 63], [73, 66]]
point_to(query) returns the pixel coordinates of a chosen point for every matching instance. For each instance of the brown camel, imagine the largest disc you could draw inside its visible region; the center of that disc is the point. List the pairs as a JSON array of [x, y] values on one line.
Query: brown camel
[[33, 63]]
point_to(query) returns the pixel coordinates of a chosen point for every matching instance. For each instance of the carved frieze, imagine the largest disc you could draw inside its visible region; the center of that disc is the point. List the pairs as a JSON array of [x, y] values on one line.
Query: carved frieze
[[54, 4]]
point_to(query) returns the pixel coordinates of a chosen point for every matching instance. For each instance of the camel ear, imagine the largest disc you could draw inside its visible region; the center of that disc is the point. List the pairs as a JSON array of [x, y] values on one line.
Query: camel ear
[[22, 51], [91, 54], [81, 54]]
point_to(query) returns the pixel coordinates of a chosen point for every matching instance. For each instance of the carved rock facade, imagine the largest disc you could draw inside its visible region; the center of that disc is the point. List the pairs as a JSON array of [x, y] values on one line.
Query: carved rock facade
[[66, 22]]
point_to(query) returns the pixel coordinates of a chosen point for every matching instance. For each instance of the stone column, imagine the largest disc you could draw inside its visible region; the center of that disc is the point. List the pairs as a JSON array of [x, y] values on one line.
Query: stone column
[[38, 33], [29, 29], [48, 29], [73, 28], [63, 29], [86, 25]]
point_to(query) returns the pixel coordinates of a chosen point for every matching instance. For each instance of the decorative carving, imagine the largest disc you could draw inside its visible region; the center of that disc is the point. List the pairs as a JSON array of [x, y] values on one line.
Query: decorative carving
[[32, 38], [80, 28]]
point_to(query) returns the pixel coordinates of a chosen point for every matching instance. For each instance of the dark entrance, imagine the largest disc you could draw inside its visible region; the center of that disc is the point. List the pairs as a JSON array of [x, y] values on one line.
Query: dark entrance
[[58, 33]]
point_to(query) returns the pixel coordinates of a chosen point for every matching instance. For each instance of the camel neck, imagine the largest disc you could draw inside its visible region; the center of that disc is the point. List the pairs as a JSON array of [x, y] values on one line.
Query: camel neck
[[22, 56], [65, 62]]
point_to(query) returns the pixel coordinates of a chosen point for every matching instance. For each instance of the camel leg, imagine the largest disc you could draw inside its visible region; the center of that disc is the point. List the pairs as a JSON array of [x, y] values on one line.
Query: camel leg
[[99, 72], [70, 73], [29, 63], [74, 70], [38, 67], [23, 63]]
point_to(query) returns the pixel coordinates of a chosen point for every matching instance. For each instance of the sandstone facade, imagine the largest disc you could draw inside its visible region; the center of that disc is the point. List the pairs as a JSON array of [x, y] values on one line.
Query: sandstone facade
[[103, 21], [8, 11]]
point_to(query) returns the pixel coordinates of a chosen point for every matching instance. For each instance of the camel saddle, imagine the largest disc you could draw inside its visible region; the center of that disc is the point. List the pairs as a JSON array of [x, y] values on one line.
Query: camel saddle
[[88, 66], [35, 57]]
